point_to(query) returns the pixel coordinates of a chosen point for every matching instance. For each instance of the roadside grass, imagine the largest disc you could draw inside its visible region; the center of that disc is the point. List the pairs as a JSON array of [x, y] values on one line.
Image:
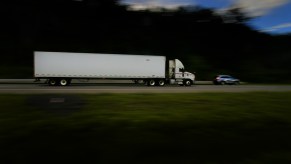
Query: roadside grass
[[252, 127]]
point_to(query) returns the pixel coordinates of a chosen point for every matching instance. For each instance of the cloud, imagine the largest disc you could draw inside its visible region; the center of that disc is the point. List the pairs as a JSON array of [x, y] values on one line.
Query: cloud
[[256, 8], [277, 27], [251, 8], [152, 4]]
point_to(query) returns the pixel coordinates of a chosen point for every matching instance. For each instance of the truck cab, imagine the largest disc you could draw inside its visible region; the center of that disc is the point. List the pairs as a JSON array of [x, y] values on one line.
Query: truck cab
[[178, 75]]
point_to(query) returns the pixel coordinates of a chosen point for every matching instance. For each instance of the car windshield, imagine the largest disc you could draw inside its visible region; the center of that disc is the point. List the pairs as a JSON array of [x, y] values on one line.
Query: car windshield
[[222, 76]]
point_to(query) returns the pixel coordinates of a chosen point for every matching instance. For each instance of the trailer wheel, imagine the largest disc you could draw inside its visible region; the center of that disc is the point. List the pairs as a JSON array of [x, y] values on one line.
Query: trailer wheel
[[152, 82], [52, 82], [187, 83], [161, 82], [64, 82]]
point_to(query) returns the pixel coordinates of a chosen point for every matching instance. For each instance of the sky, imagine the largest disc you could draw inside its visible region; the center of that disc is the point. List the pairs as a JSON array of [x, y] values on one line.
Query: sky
[[270, 16]]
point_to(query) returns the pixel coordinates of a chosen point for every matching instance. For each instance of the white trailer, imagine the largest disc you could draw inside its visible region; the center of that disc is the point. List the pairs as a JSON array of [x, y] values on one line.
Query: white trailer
[[61, 67]]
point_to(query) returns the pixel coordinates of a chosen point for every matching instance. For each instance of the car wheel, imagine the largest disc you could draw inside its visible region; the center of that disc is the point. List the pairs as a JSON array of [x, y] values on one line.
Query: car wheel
[[222, 83]]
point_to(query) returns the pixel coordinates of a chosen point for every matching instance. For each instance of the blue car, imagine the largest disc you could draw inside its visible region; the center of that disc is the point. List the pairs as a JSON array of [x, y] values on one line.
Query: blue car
[[225, 79]]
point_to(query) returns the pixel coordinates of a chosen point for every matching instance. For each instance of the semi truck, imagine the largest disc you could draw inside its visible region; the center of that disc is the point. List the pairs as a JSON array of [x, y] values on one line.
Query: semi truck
[[59, 68]]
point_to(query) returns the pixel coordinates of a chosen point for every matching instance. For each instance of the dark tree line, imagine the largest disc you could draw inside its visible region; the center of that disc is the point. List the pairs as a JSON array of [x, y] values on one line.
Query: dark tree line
[[208, 43]]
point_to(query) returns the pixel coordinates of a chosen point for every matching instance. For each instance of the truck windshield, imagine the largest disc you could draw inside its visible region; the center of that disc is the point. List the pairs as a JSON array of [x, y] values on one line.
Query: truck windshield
[[181, 70], [179, 66]]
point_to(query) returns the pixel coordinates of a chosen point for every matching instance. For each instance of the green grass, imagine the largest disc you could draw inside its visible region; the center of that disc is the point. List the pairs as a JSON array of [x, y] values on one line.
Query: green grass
[[146, 128]]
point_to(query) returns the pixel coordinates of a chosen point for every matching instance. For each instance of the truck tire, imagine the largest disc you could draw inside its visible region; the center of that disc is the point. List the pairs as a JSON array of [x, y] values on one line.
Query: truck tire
[[161, 82], [64, 82], [52, 82], [152, 83], [187, 82]]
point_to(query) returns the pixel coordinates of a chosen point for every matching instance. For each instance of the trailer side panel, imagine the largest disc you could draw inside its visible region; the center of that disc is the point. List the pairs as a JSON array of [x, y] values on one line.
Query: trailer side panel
[[90, 65]]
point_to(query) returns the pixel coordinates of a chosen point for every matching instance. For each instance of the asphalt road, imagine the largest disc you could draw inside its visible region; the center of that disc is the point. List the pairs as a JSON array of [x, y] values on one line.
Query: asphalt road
[[28, 87]]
